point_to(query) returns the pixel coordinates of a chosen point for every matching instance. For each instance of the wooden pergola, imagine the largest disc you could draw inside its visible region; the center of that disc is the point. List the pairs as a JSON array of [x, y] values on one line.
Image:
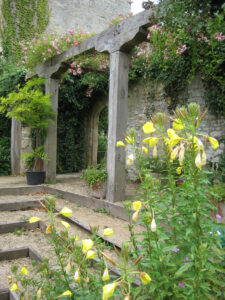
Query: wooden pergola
[[117, 42]]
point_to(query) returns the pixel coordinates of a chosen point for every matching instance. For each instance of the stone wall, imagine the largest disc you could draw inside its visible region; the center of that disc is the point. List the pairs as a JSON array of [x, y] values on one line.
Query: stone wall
[[146, 99], [86, 15]]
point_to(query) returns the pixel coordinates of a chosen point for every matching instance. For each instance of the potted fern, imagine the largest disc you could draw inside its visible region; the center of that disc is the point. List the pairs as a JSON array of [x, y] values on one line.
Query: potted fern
[[96, 177], [32, 108]]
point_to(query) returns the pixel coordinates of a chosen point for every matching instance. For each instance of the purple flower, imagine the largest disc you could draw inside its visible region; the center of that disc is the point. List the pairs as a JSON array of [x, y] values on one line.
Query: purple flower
[[181, 284], [186, 258], [218, 216], [211, 259], [176, 250]]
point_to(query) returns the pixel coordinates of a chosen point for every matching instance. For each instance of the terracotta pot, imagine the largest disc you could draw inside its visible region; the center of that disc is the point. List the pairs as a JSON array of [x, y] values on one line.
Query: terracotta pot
[[99, 190]]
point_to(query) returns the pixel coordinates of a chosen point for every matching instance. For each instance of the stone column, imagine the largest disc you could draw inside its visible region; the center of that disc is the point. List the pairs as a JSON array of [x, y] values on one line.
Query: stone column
[[15, 147], [118, 93], [52, 88]]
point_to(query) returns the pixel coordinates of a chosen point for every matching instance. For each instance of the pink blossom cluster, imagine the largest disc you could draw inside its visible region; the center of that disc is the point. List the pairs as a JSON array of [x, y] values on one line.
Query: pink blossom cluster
[[119, 19], [75, 68], [144, 50], [40, 49], [219, 36], [181, 49]]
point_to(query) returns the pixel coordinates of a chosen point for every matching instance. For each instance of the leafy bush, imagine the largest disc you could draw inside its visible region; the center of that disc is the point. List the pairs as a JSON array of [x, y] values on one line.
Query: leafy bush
[[95, 175], [5, 167]]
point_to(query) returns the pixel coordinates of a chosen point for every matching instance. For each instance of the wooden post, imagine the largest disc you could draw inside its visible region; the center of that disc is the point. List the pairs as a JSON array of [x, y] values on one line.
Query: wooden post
[[52, 88], [118, 93]]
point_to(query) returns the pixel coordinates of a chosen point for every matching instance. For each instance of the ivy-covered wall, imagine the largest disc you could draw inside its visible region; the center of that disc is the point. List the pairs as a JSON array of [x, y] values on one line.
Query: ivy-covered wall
[[21, 20]]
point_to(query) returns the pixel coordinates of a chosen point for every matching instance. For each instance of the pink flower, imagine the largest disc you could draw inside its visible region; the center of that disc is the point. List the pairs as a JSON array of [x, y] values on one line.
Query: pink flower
[[25, 48], [166, 57], [58, 52], [181, 284], [74, 73], [218, 216], [76, 43], [219, 36], [138, 54], [176, 250], [71, 32], [148, 36], [68, 40], [18, 64], [79, 71], [49, 50]]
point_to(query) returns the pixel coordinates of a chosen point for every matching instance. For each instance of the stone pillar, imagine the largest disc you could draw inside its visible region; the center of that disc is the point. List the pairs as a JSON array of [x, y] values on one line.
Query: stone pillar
[[118, 93], [52, 88], [15, 147]]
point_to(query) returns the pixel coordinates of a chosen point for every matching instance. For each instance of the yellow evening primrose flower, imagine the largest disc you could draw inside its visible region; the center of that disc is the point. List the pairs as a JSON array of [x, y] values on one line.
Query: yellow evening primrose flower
[[137, 205], [130, 159], [77, 276], [39, 294], [66, 293], [214, 143], [153, 141], [135, 216], [173, 137], [87, 245], [153, 225], [179, 170], [48, 229], [66, 212], [198, 143], [90, 254], [145, 278], [178, 125], [198, 161], [108, 232], [24, 271], [65, 224], [148, 128], [120, 144], [9, 279], [14, 287], [34, 219], [108, 290], [105, 275], [145, 150], [76, 238]]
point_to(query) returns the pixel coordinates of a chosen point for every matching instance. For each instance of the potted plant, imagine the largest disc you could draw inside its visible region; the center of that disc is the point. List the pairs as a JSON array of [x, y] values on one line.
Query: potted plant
[[33, 108], [96, 177]]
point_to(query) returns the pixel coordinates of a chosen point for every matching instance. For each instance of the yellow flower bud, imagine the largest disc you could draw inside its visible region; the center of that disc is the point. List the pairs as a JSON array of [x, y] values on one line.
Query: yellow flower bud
[[87, 245], [153, 141], [135, 216], [66, 293], [148, 128], [108, 232], [68, 268], [66, 212], [203, 158], [90, 254], [214, 143], [144, 150], [177, 125], [48, 229], [77, 276], [181, 154], [127, 297], [120, 144], [39, 294], [65, 224], [174, 153], [24, 271], [130, 159], [153, 225], [137, 205], [155, 152], [34, 220], [179, 170], [108, 290], [76, 238], [198, 161], [145, 278], [9, 279], [14, 287], [105, 275]]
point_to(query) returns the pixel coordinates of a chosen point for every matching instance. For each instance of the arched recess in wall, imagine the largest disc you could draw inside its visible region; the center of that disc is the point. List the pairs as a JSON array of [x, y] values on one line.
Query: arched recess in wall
[[92, 122]]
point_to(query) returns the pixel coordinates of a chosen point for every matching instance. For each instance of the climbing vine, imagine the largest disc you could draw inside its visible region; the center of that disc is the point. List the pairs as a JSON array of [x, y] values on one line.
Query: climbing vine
[[22, 20]]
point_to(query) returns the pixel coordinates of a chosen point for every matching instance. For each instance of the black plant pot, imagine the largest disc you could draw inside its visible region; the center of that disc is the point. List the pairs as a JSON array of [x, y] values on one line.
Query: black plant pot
[[35, 177]]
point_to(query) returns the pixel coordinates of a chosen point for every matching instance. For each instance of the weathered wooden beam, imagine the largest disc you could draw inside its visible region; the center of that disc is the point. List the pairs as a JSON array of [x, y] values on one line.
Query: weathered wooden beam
[[14, 253], [11, 227], [12, 206]]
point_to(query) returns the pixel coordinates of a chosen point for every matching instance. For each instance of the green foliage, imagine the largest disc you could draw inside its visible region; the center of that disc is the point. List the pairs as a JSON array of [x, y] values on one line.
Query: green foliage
[[29, 105], [73, 107], [22, 19], [31, 159], [5, 155], [94, 176]]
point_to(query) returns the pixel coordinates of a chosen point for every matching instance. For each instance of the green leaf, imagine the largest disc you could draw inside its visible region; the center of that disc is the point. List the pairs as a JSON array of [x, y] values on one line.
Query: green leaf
[[183, 269]]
